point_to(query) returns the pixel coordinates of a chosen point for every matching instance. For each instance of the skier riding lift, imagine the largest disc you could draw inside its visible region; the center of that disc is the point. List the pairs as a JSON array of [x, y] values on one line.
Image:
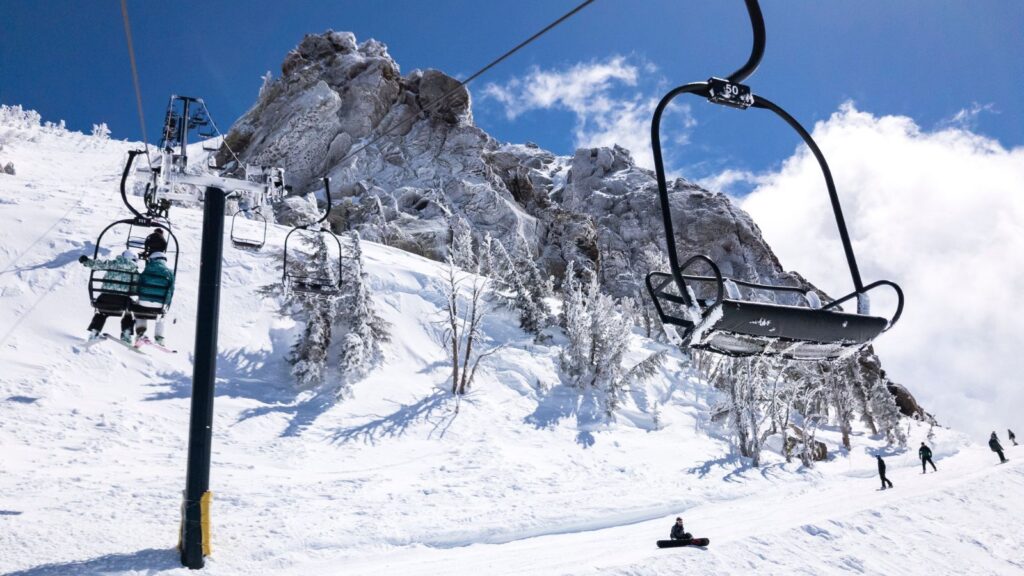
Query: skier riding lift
[[156, 287], [678, 533], [155, 242], [118, 281]]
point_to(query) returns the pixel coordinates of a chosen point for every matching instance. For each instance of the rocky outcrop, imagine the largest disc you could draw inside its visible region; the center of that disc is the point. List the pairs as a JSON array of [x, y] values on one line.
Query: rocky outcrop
[[422, 161], [9, 169], [907, 403], [405, 166]]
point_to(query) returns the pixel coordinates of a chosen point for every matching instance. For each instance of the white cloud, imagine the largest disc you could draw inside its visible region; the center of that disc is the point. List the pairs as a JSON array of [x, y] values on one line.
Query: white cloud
[[942, 214], [612, 101], [967, 118], [727, 180]]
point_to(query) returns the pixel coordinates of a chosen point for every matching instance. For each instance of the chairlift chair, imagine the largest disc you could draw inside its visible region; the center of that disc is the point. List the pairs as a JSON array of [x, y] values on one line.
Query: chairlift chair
[[100, 284], [711, 310], [322, 284], [249, 242]]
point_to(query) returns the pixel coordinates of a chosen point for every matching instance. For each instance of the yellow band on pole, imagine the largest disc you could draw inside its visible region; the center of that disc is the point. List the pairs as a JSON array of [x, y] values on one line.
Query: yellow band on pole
[[204, 511]]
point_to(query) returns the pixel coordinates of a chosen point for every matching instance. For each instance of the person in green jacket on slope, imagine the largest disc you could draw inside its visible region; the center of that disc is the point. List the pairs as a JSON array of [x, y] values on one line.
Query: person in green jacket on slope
[[925, 454]]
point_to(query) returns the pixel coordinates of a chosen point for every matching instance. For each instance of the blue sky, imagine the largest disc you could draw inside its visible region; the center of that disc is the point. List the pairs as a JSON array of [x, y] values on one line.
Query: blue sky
[[927, 60]]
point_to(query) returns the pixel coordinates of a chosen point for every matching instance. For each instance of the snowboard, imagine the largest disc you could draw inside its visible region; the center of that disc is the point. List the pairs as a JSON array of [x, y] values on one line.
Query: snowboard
[[680, 543]]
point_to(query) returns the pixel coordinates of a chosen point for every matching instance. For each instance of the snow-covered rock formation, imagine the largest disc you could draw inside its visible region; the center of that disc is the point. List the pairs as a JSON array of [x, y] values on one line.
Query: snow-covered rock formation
[[597, 208], [420, 171]]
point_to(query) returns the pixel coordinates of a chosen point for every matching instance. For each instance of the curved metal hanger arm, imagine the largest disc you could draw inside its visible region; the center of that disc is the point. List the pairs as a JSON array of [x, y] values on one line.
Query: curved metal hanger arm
[[700, 88], [844, 235], [124, 179], [757, 50]]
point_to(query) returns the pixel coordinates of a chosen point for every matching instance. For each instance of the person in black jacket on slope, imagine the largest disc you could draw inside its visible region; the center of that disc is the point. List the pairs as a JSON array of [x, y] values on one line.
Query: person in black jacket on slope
[[678, 533], [881, 473], [925, 454]]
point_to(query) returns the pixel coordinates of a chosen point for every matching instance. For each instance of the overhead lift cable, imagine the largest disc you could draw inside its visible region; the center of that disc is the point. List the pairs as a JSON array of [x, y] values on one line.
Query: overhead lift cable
[[135, 74]]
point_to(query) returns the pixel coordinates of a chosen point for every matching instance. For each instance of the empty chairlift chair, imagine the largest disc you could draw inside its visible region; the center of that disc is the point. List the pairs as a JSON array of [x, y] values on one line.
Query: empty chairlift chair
[[741, 318], [326, 281], [244, 234]]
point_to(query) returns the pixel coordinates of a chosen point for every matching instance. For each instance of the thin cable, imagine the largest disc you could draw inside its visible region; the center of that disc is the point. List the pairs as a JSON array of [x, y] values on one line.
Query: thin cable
[[223, 139], [494, 63], [135, 76]]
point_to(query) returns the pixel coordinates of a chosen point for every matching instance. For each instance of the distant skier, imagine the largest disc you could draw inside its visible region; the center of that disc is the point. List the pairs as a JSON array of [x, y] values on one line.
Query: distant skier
[[155, 290], [881, 473], [993, 443], [678, 533], [925, 454], [116, 291], [155, 242], [1013, 437]]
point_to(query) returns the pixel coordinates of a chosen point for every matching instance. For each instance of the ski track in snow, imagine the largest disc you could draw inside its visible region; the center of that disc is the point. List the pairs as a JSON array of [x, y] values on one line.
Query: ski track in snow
[[393, 480]]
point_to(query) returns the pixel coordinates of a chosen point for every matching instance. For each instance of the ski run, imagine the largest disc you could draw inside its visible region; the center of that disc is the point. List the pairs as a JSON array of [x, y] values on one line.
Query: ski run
[[519, 476]]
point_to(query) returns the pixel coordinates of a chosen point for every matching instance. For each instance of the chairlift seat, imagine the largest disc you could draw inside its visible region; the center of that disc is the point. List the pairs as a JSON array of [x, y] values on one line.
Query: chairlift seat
[[736, 327], [248, 242], [310, 285]]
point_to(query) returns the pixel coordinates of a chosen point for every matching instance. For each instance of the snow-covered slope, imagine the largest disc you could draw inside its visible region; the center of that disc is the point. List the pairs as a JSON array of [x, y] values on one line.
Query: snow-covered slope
[[518, 478]]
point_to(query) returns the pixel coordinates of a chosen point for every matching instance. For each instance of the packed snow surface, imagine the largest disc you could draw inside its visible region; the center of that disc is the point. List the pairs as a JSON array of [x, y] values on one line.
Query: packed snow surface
[[521, 476]]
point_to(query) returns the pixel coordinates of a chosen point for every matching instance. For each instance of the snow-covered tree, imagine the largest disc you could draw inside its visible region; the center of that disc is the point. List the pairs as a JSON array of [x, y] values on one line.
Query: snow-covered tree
[[101, 132], [650, 260], [366, 330], [464, 313], [309, 353], [518, 282], [598, 338], [461, 244]]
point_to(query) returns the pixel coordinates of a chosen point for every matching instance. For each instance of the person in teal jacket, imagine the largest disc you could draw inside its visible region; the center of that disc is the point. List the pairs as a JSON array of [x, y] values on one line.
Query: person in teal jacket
[[155, 291]]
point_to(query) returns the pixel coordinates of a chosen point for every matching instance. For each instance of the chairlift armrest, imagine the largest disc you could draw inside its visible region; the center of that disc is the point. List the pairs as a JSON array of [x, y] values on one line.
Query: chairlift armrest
[[899, 299], [719, 281]]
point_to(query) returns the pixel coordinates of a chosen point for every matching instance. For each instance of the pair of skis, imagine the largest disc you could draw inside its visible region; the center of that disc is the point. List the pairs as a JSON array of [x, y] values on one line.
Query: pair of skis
[[139, 343]]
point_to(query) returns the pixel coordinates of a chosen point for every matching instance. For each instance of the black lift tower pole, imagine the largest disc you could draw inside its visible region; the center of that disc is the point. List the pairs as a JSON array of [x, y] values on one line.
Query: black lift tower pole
[[204, 373]]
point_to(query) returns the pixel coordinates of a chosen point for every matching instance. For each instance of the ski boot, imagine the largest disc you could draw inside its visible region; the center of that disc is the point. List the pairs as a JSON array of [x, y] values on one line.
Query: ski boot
[[126, 336], [160, 340], [93, 335]]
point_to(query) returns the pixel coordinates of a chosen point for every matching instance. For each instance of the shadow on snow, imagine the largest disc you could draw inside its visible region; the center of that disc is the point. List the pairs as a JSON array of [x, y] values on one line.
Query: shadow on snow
[[435, 409], [149, 560]]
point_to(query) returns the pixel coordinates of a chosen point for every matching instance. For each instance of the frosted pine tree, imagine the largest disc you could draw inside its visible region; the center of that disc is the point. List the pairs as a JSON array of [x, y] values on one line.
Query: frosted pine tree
[[598, 337], [461, 244], [366, 330], [885, 411], [309, 353], [518, 282]]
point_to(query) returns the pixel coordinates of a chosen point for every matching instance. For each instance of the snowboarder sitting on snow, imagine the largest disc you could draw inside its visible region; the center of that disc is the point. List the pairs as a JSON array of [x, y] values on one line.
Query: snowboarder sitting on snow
[[1013, 437], [993, 443], [115, 292], [155, 242], [155, 289], [881, 472], [678, 533], [925, 454]]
